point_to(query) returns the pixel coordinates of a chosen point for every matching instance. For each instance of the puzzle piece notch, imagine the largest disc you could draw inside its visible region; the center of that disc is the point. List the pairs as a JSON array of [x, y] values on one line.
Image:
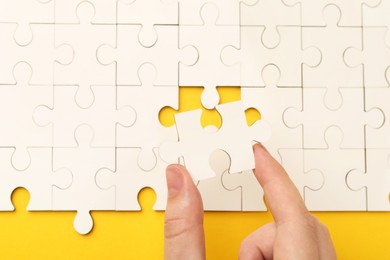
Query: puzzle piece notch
[[351, 118], [215, 195], [374, 57], [39, 179], [84, 71], [311, 11], [271, 14], [229, 11], [335, 163], [234, 137], [252, 195], [271, 101], [104, 11], [42, 62], [147, 133], [148, 14], [128, 179], [375, 181], [332, 73], [377, 98], [209, 71], [293, 162], [83, 195], [24, 13], [65, 116], [252, 56], [128, 55], [19, 130]]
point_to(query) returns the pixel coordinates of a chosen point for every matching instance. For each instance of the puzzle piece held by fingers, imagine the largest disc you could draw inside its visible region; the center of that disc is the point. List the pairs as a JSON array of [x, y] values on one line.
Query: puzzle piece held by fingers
[[234, 137]]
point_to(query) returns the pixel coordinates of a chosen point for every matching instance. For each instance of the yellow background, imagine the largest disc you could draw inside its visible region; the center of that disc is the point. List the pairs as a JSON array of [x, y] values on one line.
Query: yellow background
[[139, 235]]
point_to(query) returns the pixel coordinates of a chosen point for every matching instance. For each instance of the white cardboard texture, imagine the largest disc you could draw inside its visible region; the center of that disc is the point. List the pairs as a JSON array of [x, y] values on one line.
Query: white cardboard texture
[[209, 71], [20, 131], [271, 14], [334, 163], [271, 102], [351, 118], [128, 179], [150, 133], [375, 182], [164, 12], [83, 195], [332, 73], [253, 56]]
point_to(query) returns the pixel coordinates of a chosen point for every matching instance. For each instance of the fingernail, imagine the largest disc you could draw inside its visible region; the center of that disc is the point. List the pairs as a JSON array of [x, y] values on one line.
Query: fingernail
[[175, 180]]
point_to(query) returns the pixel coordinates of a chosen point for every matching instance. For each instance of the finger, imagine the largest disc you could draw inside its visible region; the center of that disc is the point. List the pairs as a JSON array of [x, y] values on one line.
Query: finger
[[183, 230], [282, 197], [326, 249], [259, 244]]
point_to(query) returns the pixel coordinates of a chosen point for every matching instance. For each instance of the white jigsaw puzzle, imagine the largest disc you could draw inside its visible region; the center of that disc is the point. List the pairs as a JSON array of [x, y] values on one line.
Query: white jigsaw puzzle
[[82, 85]]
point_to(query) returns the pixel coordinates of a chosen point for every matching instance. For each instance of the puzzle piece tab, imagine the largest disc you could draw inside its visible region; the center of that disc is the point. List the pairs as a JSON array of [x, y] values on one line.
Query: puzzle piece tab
[[253, 56], [84, 71], [375, 180], [148, 13], [128, 179], [209, 71], [17, 103], [39, 179], [147, 132], [351, 118], [83, 195], [65, 115]]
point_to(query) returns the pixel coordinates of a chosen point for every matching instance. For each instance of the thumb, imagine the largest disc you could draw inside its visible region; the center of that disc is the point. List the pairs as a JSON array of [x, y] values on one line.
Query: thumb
[[183, 230]]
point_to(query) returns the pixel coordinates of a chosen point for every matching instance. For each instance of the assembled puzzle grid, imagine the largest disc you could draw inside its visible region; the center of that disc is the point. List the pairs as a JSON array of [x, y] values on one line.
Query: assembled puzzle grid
[[82, 84]]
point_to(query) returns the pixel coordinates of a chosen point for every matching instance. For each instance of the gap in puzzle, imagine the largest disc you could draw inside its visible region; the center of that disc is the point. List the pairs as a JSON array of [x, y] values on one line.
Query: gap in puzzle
[[83, 83]]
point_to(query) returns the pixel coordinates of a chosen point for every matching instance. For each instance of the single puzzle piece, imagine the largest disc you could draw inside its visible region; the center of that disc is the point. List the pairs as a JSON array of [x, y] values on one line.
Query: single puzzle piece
[[253, 56], [375, 57], [375, 181], [214, 194], [146, 133], [105, 11], [311, 11], [351, 117], [83, 195], [39, 179], [293, 163], [234, 137], [129, 55], [127, 179], [84, 71], [41, 61], [65, 116], [229, 11], [209, 71], [148, 13], [17, 103], [334, 163], [332, 73], [23, 13], [271, 101], [271, 14], [378, 98]]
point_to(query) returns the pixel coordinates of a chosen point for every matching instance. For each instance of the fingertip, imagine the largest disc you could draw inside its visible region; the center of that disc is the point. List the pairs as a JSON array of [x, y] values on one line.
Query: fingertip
[[175, 180]]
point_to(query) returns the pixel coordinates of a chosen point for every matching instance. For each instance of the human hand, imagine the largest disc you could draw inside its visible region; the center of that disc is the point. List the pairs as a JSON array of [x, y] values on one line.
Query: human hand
[[295, 234]]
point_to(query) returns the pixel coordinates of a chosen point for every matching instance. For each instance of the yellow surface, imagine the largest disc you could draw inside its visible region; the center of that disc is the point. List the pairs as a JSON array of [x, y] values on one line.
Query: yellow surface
[[139, 235]]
